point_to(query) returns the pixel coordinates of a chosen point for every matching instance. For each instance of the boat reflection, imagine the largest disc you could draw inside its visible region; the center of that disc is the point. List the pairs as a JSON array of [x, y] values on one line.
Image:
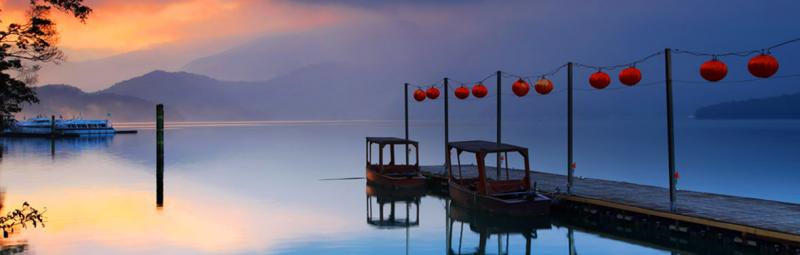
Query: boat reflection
[[396, 200], [20, 146], [486, 225], [407, 200]]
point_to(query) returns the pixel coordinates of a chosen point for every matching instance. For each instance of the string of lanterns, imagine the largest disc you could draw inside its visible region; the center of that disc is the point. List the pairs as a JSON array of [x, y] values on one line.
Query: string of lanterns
[[764, 65]]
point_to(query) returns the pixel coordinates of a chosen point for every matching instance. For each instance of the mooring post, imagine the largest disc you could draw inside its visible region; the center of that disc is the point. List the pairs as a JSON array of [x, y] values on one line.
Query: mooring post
[[52, 126], [670, 128], [405, 99], [570, 168], [446, 126], [160, 155], [499, 107]]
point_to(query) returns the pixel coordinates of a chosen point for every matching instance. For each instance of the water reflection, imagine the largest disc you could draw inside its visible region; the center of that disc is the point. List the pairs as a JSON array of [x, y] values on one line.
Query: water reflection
[[256, 190], [397, 201], [486, 226], [34, 146], [399, 213]]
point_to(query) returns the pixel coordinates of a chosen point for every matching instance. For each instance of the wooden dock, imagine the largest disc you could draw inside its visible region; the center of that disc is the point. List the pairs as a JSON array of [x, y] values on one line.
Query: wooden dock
[[771, 220]]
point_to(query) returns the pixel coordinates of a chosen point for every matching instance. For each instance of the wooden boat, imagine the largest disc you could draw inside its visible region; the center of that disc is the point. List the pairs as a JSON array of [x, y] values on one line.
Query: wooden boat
[[392, 174], [508, 196]]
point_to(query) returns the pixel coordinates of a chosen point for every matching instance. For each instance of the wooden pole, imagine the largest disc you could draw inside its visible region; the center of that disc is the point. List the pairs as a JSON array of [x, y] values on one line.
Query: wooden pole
[[499, 116], [405, 99], [160, 155], [446, 125], [570, 169], [670, 128], [52, 126]]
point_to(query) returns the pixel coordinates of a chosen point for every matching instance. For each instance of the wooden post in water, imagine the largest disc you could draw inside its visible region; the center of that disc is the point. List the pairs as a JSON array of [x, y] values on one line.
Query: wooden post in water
[[405, 99], [670, 128], [52, 126], [160, 155], [52, 136], [570, 169], [499, 128], [446, 125]]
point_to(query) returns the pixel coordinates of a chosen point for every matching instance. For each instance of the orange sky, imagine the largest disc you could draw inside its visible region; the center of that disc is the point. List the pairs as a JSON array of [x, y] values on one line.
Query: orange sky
[[123, 26]]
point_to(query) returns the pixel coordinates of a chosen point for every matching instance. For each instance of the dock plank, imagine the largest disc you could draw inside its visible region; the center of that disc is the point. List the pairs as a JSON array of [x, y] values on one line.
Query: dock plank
[[741, 213]]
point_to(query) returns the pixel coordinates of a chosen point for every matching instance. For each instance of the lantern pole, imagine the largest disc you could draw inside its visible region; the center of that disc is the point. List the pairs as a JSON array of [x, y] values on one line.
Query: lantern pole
[[405, 99], [670, 128], [570, 169], [499, 116], [446, 125]]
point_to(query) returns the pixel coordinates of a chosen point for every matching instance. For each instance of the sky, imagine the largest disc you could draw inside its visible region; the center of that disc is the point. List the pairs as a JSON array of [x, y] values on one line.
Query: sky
[[135, 37]]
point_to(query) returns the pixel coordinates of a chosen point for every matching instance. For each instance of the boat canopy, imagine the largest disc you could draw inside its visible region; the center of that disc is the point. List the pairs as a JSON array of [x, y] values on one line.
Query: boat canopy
[[389, 140], [476, 146]]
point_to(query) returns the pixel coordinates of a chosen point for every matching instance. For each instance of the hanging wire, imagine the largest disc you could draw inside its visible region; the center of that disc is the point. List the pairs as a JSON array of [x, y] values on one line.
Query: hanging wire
[[715, 55], [424, 86], [463, 83], [529, 77], [744, 53], [739, 81], [646, 84], [615, 67], [782, 44]]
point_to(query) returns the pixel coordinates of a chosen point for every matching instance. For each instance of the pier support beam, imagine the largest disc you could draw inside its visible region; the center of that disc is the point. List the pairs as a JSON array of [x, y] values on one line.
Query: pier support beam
[[446, 125], [499, 117], [570, 168], [405, 118], [160, 155], [670, 128]]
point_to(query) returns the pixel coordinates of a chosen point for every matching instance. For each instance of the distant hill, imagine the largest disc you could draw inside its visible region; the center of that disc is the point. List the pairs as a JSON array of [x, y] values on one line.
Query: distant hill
[[778, 107], [67, 101], [300, 95]]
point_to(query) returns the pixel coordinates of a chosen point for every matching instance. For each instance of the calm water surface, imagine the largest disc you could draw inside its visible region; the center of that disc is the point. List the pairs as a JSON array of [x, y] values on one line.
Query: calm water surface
[[256, 188]]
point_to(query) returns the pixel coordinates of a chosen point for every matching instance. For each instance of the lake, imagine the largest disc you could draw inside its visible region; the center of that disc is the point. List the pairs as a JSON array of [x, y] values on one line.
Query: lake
[[259, 188]]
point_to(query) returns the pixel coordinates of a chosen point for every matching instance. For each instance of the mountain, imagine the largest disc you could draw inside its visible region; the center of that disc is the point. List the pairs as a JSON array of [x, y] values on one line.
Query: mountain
[[778, 107], [196, 97], [299, 95], [68, 102]]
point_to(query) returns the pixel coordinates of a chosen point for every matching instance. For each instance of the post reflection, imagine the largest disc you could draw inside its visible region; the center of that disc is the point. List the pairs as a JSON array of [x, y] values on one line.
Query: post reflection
[[485, 226]]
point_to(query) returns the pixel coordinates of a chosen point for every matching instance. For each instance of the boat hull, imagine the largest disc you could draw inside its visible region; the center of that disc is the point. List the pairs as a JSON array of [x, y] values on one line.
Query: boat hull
[[93, 131], [374, 177], [465, 197]]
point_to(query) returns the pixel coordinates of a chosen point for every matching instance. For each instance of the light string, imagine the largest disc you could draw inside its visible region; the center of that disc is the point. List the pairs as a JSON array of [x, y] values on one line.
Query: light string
[[558, 69]]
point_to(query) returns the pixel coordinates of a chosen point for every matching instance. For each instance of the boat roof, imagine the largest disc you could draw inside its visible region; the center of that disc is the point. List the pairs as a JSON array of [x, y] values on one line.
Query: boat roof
[[475, 146], [390, 140]]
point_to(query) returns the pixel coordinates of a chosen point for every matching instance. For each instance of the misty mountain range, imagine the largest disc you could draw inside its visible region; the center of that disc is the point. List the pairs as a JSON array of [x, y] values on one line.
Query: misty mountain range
[[357, 72]]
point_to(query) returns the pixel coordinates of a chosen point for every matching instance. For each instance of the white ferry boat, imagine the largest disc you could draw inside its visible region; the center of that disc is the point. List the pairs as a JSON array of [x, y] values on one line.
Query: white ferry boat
[[43, 126]]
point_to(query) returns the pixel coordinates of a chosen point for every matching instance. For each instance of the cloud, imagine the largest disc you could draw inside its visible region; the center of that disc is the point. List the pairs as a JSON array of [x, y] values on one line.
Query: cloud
[[123, 26], [386, 3]]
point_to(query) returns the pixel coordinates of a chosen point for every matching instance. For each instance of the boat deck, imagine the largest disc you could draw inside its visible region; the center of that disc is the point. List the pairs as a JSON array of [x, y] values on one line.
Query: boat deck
[[747, 215]]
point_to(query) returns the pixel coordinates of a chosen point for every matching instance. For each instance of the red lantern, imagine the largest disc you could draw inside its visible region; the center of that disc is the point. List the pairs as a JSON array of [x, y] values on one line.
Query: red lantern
[[630, 76], [543, 86], [713, 70], [462, 92], [599, 80], [521, 87], [763, 66], [419, 95], [479, 90], [432, 93]]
